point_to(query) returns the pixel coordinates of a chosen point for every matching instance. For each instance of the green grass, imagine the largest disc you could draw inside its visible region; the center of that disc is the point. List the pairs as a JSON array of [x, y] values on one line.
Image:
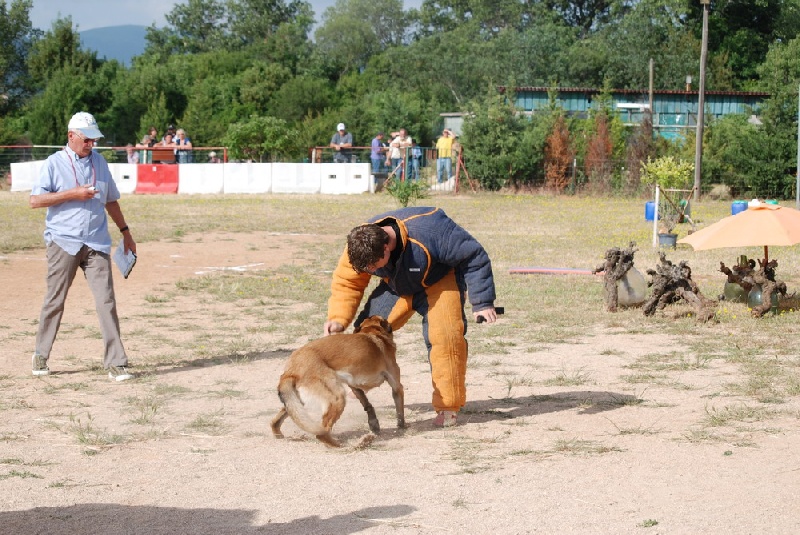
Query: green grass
[[145, 409], [576, 446], [735, 414], [209, 424], [569, 378], [87, 434]]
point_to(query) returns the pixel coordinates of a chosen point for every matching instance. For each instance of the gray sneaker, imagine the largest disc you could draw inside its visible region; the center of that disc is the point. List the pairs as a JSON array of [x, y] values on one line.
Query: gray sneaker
[[39, 364], [119, 373]]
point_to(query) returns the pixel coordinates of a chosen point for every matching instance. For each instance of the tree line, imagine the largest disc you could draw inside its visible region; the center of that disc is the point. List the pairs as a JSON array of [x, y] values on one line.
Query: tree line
[[271, 78]]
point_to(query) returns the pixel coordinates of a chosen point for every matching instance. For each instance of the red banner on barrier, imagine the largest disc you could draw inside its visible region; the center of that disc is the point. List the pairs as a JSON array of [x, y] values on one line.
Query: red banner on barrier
[[157, 178]]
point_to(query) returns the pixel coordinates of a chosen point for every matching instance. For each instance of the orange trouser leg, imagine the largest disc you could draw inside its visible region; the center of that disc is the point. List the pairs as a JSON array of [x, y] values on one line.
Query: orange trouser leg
[[444, 327]]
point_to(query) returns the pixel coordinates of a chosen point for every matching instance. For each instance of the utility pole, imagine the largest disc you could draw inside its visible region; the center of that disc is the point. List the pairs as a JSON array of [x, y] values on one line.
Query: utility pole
[[650, 91], [698, 149], [797, 180]]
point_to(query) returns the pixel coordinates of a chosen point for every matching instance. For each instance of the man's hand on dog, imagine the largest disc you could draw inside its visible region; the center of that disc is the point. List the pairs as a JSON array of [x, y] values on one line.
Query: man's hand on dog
[[333, 327]]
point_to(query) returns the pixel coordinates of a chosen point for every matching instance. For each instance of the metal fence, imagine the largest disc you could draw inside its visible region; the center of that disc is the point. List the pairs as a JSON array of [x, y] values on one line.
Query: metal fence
[[27, 153], [417, 163]]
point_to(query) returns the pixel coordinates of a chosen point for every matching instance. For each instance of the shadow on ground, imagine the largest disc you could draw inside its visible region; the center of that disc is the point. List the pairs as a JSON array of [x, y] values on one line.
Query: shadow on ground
[[205, 362], [587, 401], [100, 518]]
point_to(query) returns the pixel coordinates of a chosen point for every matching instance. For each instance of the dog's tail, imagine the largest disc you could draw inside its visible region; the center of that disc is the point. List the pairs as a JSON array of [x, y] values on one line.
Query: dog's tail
[[287, 391]]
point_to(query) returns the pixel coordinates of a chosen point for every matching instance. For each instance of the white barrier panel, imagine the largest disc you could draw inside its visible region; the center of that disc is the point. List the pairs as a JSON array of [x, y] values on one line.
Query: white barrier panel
[[24, 174], [125, 176], [296, 177], [246, 177], [200, 178], [447, 185], [344, 178]]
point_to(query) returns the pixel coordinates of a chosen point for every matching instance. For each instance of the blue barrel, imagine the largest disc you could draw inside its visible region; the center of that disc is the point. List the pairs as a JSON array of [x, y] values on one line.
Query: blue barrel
[[738, 206], [649, 210]]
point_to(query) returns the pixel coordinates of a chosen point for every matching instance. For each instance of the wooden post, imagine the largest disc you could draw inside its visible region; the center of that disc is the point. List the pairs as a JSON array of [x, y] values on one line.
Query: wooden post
[[698, 146]]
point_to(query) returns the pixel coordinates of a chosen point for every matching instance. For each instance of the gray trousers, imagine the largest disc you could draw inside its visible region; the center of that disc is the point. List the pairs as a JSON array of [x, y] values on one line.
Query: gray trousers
[[61, 270]]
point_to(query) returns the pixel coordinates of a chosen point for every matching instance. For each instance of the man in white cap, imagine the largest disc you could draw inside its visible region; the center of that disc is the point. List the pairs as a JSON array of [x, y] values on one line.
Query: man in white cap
[[76, 187], [341, 141]]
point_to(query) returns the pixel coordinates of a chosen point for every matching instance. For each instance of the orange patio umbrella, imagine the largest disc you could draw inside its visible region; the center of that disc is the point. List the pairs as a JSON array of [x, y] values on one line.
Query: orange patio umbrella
[[760, 225]]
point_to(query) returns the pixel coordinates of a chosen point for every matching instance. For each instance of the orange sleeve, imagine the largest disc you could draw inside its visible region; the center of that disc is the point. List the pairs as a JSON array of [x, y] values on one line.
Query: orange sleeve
[[347, 289]]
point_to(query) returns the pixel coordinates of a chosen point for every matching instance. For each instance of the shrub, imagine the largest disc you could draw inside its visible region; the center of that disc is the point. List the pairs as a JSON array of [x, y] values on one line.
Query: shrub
[[406, 191], [668, 172]]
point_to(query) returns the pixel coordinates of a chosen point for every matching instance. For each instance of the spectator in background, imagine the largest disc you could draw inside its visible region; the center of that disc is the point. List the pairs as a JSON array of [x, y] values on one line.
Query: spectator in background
[[167, 141], [341, 142], [400, 142], [376, 154], [444, 154], [456, 150], [416, 160], [153, 133], [212, 157], [183, 144], [145, 156], [171, 131], [133, 156]]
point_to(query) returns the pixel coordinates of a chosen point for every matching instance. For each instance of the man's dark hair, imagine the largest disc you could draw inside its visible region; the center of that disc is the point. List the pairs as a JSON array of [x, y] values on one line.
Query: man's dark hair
[[365, 245]]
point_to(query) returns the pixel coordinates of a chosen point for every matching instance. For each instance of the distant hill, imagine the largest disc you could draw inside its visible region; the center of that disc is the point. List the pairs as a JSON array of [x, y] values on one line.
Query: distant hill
[[115, 42]]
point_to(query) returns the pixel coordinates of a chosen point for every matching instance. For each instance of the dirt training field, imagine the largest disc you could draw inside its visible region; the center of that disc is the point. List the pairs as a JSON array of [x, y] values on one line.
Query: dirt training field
[[578, 421]]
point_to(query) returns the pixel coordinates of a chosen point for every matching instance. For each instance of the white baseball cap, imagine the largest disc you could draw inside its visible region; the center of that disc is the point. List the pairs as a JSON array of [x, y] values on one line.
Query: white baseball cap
[[340, 126], [86, 124]]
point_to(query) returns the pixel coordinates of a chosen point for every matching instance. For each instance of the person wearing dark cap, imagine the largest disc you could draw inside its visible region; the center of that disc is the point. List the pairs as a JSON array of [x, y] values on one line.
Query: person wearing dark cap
[[171, 131], [76, 187], [341, 142]]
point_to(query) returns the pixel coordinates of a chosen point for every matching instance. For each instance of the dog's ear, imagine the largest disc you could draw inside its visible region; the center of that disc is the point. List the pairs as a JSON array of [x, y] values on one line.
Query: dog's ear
[[371, 323]]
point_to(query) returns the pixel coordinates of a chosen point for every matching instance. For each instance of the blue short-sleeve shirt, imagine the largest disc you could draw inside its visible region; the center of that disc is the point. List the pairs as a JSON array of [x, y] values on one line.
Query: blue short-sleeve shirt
[[73, 224]]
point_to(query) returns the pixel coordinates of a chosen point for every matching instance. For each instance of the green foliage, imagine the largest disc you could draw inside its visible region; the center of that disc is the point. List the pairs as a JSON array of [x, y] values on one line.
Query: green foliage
[[650, 29], [10, 131], [195, 27], [668, 172], [59, 49], [257, 21], [16, 39], [406, 192], [261, 137], [742, 30], [260, 82], [491, 140], [299, 97]]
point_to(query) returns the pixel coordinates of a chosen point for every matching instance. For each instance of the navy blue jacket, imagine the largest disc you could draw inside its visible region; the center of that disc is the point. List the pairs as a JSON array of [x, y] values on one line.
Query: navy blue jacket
[[432, 244]]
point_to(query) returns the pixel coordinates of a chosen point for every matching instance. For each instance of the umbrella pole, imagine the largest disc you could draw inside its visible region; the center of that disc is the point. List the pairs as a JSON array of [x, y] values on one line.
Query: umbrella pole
[[766, 255]]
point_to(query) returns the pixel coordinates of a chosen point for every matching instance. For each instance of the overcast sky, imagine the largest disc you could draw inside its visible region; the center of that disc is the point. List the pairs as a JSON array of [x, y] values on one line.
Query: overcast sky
[[88, 14]]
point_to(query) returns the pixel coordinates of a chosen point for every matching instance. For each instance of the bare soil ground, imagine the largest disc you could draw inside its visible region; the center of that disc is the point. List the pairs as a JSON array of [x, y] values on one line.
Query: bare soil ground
[[185, 448]]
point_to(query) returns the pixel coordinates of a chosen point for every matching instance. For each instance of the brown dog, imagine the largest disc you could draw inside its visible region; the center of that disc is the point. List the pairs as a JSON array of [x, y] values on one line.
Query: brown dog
[[312, 386]]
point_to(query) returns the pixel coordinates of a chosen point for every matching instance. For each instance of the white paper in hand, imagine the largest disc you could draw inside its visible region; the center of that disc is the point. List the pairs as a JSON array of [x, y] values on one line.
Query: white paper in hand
[[124, 262]]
